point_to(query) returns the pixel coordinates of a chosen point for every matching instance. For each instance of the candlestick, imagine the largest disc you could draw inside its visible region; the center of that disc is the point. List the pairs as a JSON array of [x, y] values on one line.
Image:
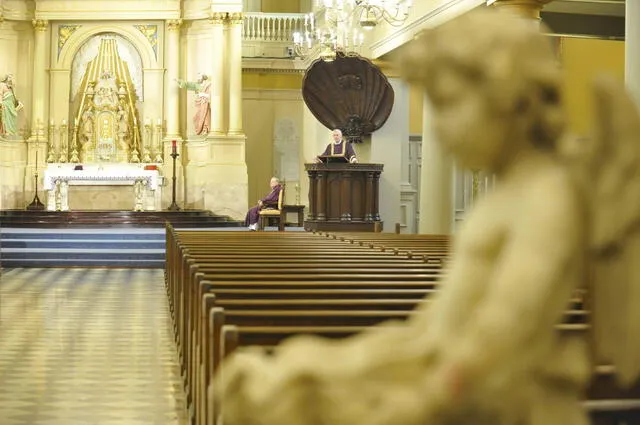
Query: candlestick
[[36, 204], [174, 147], [174, 206]]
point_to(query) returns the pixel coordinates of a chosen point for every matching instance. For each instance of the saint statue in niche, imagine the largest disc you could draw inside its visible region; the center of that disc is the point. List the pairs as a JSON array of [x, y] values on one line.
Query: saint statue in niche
[[106, 92], [202, 117], [87, 130], [9, 107], [123, 127]]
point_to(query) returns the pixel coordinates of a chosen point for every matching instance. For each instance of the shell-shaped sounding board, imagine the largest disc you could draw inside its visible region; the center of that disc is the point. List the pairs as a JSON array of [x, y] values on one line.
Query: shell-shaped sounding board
[[349, 93]]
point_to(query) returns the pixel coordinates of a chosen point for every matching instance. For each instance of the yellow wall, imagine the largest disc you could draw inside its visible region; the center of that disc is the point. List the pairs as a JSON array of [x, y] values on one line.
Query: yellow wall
[[261, 112], [415, 96], [251, 80], [583, 60], [281, 6]]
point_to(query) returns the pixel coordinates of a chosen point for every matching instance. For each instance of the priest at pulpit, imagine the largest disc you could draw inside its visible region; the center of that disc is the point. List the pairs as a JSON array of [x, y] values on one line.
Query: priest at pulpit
[[340, 148]]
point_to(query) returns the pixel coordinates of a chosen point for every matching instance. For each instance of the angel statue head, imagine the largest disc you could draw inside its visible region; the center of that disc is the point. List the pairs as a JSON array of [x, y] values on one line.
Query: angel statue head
[[7, 79], [494, 85]]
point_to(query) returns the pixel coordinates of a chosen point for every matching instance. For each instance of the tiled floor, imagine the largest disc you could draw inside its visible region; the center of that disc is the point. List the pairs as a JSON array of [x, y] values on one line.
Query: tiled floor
[[87, 347]]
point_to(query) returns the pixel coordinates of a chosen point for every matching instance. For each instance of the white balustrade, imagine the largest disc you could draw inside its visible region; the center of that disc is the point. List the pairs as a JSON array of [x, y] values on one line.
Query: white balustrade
[[275, 27]]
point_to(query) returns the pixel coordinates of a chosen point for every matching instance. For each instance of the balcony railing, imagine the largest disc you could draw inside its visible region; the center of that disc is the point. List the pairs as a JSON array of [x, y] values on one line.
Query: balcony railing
[[272, 27]]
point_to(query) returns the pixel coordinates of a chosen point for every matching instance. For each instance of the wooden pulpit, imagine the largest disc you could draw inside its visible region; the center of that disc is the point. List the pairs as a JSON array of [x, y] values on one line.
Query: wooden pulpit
[[343, 197]]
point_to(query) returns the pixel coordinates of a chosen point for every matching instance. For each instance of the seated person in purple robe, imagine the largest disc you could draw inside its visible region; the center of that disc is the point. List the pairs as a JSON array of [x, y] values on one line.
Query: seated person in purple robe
[[339, 147], [269, 201]]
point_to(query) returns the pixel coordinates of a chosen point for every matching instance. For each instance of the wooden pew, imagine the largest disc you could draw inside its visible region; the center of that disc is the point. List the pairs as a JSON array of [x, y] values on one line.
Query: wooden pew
[[208, 247], [234, 337], [187, 294], [292, 291], [287, 322], [429, 247], [604, 411], [191, 327]]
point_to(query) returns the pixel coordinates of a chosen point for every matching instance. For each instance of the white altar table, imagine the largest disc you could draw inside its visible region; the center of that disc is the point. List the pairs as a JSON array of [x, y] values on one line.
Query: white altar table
[[147, 183]]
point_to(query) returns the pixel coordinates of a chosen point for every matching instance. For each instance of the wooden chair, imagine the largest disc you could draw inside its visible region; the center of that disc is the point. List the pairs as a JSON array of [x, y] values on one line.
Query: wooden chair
[[278, 213]]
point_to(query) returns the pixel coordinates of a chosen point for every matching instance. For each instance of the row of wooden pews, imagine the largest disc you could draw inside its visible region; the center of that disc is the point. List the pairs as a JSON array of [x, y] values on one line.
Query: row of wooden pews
[[228, 290], [413, 246]]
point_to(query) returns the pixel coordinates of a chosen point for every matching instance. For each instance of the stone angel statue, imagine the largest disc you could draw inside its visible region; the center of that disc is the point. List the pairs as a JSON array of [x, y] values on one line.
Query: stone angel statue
[[563, 217]]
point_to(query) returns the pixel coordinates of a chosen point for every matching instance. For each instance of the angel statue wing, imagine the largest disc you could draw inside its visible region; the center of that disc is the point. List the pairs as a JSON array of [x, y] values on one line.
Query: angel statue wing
[[609, 171]]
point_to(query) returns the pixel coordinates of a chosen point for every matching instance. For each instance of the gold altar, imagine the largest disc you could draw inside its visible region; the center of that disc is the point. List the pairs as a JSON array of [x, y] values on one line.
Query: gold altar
[[106, 118]]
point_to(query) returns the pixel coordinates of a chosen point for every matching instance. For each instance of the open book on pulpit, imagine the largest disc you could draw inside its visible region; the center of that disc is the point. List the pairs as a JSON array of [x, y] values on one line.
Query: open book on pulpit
[[329, 159]]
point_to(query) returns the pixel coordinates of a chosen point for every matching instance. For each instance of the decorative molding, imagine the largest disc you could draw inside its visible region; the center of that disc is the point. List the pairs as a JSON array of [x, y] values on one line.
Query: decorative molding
[[40, 24], [272, 70], [108, 15], [64, 32], [126, 30], [293, 95], [174, 24], [440, 14], [271, 66], [151, 34], [129, 10], [231, 18], [217, 18], [235, 18]]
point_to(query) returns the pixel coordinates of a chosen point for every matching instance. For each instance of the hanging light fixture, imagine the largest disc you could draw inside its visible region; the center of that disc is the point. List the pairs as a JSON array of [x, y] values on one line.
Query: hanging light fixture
[[335, 35], [340, 25], [371, 12]]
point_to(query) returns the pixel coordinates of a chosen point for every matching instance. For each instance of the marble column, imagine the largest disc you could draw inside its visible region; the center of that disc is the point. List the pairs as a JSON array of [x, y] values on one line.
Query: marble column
[[234, 71], [39, 79], [632, 49], [436, 181], [217, 75], [172, 98]]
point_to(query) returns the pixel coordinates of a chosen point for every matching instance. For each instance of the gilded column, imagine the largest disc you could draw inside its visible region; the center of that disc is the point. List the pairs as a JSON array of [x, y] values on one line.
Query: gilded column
[[235, 73], [39, 79], [217, 74], [172, 58]]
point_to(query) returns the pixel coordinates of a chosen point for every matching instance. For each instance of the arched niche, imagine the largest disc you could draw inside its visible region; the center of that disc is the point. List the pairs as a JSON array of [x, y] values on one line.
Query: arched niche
[[88, 51], [128, 31], [62, 62]]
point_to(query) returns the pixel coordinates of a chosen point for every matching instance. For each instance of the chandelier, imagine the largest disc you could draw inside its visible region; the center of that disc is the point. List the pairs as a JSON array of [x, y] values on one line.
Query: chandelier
[[340, 26], [334, 36], [370, 12]]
